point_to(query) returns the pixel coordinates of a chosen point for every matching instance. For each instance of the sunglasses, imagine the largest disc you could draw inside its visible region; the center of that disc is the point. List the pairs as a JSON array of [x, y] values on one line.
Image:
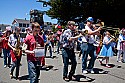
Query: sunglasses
[[37, 30]]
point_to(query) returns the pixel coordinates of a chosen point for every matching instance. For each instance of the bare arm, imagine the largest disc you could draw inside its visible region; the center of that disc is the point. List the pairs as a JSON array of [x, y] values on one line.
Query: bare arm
[[109, 41], [95, 32], [75, 38], [26, 51], [11, 46]]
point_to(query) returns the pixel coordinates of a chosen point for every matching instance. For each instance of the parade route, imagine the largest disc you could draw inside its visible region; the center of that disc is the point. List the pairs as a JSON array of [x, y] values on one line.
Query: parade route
[[53, 72]]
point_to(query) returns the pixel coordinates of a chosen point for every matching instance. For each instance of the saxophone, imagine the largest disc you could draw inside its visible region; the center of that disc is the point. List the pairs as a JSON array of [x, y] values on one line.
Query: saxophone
[[101, 36], [18, 47]]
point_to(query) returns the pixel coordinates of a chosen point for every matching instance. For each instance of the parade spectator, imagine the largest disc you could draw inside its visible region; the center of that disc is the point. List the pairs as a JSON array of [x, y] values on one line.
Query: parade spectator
[[106, 49]]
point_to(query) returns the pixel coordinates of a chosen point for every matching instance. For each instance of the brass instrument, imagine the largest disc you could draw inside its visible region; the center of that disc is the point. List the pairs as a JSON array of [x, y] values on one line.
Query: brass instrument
[[18, 47], [83, 32], [101, 41], [101, 36], [100, 23], [112, 37]]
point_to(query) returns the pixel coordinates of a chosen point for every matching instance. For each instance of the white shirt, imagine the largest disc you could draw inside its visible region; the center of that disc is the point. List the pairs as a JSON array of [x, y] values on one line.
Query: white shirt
[[84, 38], [13, 41], [91, 38], [120, 39]]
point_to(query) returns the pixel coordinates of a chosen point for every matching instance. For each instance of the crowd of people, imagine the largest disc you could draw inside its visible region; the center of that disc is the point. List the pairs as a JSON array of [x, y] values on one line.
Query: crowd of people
[[90, 41]]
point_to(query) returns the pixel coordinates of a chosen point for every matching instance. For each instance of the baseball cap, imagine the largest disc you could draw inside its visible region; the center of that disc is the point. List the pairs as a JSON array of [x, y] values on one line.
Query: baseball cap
[[90, 19], [71, 23]]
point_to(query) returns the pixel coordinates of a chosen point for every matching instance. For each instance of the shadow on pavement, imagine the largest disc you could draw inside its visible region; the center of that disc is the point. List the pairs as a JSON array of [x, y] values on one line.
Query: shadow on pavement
[[111, 65], [85, 78], [25, 77], [53, 57], [46, 67], [100, 71]]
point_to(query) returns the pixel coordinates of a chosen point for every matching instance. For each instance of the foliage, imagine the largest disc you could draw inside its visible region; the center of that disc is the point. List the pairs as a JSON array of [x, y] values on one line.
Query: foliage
[[109, 11]]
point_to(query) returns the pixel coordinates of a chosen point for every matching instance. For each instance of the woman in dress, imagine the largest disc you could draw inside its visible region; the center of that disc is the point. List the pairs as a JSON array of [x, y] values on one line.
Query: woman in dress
[[106, 49]]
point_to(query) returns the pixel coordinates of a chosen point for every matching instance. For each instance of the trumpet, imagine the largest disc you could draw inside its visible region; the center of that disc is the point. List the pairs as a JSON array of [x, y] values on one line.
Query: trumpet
[[84, 32], [112, 36]]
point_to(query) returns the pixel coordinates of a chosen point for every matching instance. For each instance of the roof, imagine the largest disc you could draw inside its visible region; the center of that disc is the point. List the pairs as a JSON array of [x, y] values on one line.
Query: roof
[[4, 25], [21, 21]]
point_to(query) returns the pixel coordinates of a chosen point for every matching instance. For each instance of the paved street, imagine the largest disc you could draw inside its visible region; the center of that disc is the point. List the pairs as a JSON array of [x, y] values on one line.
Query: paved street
[[116, 74]]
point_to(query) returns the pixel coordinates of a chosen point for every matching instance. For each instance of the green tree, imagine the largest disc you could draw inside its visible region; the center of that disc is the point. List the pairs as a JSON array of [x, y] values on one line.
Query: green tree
[[109, 11]]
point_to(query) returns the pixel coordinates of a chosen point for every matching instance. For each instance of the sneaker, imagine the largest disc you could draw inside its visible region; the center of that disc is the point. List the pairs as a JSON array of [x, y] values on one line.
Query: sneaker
[[119, 61], [5, 66], [84, 72], [91, 71], [123, 61], [65, 78], [108, 66], [8, 66]]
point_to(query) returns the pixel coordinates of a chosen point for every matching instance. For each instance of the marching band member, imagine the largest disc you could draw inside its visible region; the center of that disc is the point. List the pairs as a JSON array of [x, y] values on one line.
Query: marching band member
[[67, 44], [48, 44], [106, 49], [14, 43], [34, 42], [91, 48], [1, 44], [6, 49], [121, 46]]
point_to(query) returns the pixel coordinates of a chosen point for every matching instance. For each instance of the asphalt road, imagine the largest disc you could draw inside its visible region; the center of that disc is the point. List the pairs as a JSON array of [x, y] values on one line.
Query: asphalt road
[[53, 74]]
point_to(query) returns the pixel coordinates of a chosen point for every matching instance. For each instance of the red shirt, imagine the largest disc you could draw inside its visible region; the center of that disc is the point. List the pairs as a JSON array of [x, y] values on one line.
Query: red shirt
[[5, 43], [31, 45]]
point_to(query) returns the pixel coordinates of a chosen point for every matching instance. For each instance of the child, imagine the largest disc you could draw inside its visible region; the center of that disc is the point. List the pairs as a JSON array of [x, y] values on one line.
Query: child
[[106, 50]]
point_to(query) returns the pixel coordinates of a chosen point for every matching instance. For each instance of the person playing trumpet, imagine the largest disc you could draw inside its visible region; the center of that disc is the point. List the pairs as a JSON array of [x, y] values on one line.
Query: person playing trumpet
[[91, 48], [106, 49]]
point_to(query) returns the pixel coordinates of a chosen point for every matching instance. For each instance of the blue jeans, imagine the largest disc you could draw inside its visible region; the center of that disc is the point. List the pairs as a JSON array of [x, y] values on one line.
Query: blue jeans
[[50, 49], [6, 54], [91, 51], [34, 71], [66, 55]]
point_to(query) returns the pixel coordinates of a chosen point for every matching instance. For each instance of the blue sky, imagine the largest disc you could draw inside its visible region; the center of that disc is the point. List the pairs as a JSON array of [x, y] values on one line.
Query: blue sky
[[11, 9]]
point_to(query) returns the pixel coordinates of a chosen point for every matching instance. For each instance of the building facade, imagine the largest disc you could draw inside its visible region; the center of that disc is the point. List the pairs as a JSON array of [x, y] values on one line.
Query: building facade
[[3, 27], [22, 23]]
